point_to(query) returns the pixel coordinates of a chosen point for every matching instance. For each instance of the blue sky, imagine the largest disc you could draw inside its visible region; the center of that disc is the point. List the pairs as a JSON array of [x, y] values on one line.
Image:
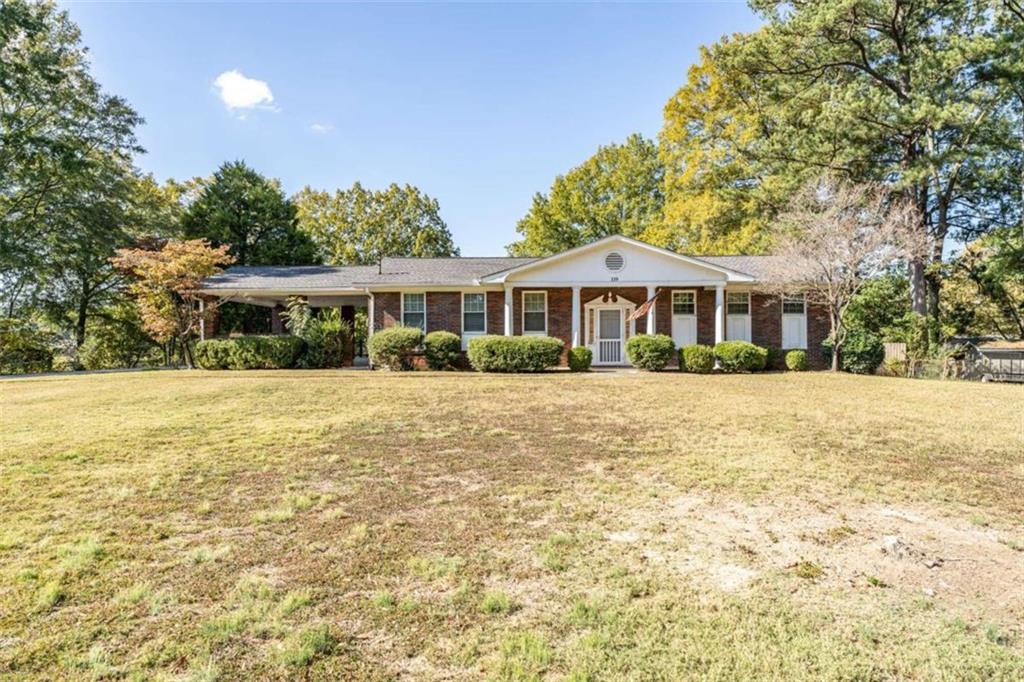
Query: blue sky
[[480, 105]]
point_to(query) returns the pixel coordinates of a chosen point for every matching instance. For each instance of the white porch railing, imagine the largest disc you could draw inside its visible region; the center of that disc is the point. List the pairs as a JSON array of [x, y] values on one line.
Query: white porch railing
[[609, 351]]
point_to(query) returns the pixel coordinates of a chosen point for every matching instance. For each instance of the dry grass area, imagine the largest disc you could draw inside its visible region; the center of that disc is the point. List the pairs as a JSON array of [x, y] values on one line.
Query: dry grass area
[[349, 525]]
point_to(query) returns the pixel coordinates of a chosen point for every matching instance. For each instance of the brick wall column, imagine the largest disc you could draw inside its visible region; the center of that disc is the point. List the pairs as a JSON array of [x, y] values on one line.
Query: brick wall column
[[276, 321], [209, 323]]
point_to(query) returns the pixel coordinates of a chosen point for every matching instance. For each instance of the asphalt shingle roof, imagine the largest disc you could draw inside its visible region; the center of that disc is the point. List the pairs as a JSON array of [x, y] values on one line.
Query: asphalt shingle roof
[[412, 271], [439, 271]]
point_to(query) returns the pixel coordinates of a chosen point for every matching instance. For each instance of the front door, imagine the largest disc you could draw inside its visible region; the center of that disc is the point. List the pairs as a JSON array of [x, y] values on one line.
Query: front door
[[684, 318], [609, 336]]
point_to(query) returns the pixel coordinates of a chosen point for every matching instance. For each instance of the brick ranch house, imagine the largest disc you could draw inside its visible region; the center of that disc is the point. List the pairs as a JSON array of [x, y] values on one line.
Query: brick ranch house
[[586, 296]]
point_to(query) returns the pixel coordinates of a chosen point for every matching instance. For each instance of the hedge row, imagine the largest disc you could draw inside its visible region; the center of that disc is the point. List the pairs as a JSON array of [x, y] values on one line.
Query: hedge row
[[250, 352], [514, 353]]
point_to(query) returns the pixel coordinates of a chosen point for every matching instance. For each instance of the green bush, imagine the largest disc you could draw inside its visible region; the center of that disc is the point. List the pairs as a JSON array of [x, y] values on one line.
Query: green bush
[[327, 337], [393, 348], [697, 358], [580, 358], [650, 352], [24, 348], [776, 359], [796, 360], [862, 352], [740, 356], [443, 350], [250, 352], [514, 353]]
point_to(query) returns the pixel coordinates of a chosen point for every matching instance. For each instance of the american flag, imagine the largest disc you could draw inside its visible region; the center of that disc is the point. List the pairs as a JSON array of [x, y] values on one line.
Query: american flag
[[642, 309]]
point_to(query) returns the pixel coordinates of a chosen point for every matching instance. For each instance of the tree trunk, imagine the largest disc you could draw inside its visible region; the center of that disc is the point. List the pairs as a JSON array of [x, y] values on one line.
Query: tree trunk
[[83, 310], [835, 359], [918, 287]]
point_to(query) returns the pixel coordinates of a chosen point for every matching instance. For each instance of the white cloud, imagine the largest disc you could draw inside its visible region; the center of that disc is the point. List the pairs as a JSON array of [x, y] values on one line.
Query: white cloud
[[238, 91], [321, 128]]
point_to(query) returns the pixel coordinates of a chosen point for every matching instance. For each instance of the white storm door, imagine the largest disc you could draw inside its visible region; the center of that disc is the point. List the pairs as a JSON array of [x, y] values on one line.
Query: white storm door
[[609, 336], [737, 316], [794, 322], [684, 318]]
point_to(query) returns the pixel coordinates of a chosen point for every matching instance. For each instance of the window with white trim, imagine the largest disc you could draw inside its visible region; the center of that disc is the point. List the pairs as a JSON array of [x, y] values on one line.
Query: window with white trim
[[414, 310], [737, 303], [474, 313], [684, 303], [535, 312], [793, 305]]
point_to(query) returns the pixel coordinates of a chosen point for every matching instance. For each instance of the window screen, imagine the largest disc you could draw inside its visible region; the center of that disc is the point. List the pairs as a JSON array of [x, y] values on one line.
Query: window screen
[[474, 316], [414, 310], [535, 306]]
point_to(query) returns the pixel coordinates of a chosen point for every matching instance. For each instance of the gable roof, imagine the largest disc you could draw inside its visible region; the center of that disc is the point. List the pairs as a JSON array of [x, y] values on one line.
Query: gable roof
[[620, 239]]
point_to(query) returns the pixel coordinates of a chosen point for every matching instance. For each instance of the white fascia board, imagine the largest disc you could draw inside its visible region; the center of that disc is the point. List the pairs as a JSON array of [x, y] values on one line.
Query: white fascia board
[[277, 293]]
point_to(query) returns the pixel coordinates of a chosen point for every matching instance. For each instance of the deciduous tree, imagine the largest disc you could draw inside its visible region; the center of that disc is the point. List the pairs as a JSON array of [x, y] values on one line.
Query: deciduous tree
[[165, 283], [616, 191], [835, 236], [361, 226]]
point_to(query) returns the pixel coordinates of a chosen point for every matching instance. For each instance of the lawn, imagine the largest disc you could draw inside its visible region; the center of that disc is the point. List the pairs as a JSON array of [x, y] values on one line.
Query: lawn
[[356, 525]]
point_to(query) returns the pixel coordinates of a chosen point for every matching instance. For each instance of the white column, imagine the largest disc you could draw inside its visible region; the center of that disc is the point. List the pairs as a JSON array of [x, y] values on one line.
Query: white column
[[369, 315], [650, 313], [202, 320], [576, 317], [508, 310], [719, 313]]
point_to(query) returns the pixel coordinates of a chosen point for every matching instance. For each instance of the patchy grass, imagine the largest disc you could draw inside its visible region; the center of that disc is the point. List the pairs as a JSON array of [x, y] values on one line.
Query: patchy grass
[[345, 525]]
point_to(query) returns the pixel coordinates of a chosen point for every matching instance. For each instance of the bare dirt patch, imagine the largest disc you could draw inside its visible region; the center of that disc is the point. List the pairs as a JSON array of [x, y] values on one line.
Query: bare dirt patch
[[729, 544]]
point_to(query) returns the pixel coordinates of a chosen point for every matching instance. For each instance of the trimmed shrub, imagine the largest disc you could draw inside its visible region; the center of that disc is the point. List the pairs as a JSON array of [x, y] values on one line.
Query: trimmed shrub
[[697, 358], [24, 349], [796, 360], [862, 352], [740, 356], [650, 352], [776, 359], [442, 350], [393, 348], [514, 353], [250, 352], [213, 353], [580, 358]]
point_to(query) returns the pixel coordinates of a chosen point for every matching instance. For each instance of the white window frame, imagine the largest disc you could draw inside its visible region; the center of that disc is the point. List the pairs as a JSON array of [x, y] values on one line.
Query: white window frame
[[462, 319], [672, 301], [522, 313], [414, 293], [801, 297], [745, 294]]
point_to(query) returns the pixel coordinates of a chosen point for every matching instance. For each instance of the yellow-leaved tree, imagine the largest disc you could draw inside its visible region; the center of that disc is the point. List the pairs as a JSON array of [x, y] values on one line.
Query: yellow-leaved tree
[[165, 283]]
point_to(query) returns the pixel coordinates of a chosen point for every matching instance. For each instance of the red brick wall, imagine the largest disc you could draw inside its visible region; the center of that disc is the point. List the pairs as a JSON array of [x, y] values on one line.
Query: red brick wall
[[765, 320], [387, 310], [817, 331], [706, 316], [444, 311], [496, 312]]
